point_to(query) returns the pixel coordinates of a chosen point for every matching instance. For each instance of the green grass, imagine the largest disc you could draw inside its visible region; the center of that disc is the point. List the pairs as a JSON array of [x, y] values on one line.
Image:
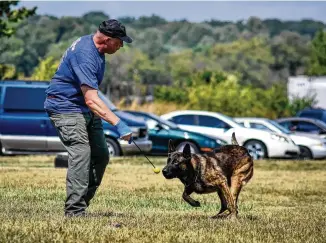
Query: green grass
[[284, 202]]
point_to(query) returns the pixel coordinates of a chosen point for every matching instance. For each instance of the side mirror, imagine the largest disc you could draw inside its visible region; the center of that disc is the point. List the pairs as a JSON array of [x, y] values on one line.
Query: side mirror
[[226, 127], [158, 127]]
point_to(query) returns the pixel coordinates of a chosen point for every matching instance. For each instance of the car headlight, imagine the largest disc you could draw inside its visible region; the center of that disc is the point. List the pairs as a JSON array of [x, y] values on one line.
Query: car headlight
[[319, 144], [280, 138]]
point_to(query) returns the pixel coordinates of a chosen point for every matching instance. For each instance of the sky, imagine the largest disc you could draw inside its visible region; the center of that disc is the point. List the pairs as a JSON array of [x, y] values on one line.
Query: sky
[[193, 11]]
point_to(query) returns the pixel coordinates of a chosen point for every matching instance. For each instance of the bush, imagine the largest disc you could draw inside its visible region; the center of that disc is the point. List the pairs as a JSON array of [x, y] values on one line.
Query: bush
[[223, 93]]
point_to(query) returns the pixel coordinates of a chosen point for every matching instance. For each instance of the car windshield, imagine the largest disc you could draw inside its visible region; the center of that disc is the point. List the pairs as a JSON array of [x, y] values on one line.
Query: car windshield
[[107, 101], [283, 129], [232, 122], [321, 124]]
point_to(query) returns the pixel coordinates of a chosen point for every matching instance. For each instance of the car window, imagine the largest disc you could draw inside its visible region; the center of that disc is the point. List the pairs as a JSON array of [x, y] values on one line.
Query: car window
[[208, 121], [165, 122], [24, 99], [288, 125], [184, 119], [151, 124], [283, 129], [259, 126], [307, 127]]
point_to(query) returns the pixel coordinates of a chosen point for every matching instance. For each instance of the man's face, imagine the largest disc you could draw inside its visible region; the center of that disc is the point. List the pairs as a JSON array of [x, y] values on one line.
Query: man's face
[[112, 45]]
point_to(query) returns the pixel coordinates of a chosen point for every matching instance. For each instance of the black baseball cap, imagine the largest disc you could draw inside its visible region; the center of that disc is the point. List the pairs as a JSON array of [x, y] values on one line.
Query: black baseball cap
[[113, 28]]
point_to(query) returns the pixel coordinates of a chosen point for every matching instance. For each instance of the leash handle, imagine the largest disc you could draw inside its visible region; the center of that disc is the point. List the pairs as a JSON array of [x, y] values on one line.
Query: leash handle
[[143, 154]]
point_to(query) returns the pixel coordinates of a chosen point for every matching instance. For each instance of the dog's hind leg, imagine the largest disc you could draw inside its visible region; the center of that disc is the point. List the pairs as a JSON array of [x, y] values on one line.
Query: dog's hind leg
[[225, 191], [239, 180], [186, 196], [223, 211], [236, 185]]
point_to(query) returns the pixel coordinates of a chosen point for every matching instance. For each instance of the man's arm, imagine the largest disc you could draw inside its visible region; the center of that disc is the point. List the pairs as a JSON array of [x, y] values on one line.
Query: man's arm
[[96, 105], [94, 102]]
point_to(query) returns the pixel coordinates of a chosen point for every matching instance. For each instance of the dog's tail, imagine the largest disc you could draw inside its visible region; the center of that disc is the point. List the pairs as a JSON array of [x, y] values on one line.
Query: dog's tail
[[234, 140]]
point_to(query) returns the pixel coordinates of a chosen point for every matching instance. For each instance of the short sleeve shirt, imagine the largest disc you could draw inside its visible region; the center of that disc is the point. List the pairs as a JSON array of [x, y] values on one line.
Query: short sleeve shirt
[[81, 64]]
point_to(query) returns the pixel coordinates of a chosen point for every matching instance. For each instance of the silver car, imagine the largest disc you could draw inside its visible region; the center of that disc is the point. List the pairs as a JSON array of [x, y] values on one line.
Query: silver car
[[311, 145]]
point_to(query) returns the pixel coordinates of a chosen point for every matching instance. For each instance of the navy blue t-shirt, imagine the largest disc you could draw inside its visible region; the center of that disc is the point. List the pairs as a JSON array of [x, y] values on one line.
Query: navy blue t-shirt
[[81, 64]]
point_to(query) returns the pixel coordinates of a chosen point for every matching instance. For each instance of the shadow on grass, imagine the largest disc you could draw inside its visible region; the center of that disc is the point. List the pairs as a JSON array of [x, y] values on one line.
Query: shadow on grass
[[209, 217], [106, 214]]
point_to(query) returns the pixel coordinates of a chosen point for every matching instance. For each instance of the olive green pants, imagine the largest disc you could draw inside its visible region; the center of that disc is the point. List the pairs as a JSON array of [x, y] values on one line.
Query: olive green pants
[[83, 137]]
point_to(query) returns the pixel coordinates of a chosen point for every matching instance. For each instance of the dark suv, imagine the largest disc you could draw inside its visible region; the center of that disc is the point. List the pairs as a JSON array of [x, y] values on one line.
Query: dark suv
[[25, 128], [319, 114]]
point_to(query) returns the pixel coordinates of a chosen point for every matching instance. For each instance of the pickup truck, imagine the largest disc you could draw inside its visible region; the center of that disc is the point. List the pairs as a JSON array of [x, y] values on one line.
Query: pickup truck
[[25, 127]]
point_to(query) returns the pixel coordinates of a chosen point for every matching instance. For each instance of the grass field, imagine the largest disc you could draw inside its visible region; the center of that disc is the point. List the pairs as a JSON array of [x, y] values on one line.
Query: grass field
[[284, 202]]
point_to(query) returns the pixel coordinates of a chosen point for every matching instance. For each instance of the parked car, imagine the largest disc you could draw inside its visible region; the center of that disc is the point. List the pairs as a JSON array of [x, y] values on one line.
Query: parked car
[[25, 128], [311, 146], [313, 113], [161, 131], [260, 144], [138, 127], [304, 125]]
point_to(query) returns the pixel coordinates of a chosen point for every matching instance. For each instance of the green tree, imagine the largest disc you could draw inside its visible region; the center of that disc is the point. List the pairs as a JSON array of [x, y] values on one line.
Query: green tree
[[8, 21], [251, 59], [45, 70], [317, 62], [95, 18], [7, 72], [9, 16], [290, 51], [298, 104]]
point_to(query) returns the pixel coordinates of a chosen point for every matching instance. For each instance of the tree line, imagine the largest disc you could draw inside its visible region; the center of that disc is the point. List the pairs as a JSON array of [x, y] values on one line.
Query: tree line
[[207, 65]]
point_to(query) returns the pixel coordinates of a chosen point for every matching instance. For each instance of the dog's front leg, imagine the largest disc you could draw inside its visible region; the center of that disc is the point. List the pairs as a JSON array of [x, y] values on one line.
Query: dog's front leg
[[224, 212], [188, 199]]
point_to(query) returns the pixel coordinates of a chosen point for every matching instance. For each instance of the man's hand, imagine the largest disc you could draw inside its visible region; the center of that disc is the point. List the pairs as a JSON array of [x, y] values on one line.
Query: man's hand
[[127, 138], [124, 131], [94, 102]]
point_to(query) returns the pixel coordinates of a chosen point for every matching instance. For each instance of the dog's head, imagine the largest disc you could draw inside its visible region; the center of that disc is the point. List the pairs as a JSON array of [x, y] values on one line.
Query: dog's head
[[178, 163]]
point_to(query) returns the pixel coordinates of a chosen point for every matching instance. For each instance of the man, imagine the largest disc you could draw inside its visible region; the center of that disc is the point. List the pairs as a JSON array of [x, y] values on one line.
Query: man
[[75, 110]]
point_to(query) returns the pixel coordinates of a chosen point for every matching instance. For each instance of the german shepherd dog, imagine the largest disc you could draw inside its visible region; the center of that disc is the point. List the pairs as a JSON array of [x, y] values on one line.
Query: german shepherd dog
[[225, 171]]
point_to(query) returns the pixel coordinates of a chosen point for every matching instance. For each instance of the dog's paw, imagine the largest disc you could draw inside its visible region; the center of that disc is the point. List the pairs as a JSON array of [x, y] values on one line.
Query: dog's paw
[[221, 215], [195, 204], [232, 216]]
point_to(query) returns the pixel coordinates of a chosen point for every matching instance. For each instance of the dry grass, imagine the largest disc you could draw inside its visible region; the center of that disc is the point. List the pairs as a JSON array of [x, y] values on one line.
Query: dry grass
[[284, 202]]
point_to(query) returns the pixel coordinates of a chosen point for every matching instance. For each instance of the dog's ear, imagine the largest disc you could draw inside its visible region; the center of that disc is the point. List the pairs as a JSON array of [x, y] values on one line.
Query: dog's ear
[[187, 151], [171, 146]]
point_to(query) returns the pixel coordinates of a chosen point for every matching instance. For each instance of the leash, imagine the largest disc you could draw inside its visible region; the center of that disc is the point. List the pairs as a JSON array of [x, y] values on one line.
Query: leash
[[143, 154]]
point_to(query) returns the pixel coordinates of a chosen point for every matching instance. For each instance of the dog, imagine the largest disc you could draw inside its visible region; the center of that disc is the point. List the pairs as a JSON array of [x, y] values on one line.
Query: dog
[[224, 170]]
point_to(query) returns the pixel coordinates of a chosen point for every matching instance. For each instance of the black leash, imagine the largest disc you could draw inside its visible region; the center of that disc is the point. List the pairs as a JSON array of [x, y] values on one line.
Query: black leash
[[143, 154]]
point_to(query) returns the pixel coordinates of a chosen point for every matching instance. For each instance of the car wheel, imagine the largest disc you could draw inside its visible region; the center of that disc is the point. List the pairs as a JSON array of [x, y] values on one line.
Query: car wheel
[[114, 149], [256, 149], [193, 148], [305, 153]]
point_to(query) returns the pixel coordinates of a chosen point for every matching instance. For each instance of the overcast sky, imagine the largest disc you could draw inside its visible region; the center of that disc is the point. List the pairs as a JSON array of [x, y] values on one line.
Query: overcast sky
[[190, 10]]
